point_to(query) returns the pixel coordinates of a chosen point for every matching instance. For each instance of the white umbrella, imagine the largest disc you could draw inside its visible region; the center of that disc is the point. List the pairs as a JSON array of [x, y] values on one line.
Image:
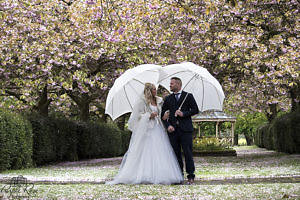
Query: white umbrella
[[206, 90], [129, 87]]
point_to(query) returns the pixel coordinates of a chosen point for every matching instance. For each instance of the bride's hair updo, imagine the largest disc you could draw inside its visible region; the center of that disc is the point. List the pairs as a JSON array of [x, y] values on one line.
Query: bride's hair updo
[[147, 92]]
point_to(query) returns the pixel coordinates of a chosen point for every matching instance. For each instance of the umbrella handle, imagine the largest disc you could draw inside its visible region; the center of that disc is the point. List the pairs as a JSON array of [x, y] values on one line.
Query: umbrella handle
[[183, 101]]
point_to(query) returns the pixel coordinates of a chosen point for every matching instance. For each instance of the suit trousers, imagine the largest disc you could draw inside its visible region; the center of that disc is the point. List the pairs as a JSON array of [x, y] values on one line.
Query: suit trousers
[[183, 140]]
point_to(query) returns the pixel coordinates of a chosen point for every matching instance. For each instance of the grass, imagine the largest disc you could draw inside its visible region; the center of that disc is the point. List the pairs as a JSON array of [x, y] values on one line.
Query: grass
[[242, 141], [251, 162], [241, 191]]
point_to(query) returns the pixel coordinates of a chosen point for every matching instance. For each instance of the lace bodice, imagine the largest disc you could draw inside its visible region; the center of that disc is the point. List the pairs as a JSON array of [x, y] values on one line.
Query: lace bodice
[[153, 108]]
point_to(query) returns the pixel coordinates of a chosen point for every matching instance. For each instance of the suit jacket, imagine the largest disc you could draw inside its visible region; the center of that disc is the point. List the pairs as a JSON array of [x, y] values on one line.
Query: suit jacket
[[189, 108]]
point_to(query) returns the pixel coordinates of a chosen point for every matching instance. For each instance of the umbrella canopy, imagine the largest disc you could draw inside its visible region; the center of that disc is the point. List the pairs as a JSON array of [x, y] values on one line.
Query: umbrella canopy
[[129, 87], [206, 90]]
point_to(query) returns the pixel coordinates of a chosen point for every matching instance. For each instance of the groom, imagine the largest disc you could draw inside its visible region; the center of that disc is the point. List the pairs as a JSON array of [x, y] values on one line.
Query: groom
[[179, 125]]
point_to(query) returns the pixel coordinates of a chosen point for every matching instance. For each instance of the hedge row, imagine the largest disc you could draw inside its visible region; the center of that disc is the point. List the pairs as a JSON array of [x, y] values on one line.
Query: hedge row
[[282, 135], [36, 140], [15, 141], [60, 139]]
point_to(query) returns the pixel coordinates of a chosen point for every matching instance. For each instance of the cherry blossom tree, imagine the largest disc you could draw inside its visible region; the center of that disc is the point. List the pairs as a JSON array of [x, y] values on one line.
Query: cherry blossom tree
[[63, 53]]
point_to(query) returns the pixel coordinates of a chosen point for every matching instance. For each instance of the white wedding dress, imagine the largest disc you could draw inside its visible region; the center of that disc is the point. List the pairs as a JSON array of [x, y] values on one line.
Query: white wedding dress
[[150, 158]]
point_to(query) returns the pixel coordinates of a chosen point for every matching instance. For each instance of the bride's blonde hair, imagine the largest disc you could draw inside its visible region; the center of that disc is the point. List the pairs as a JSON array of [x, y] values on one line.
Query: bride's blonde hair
[[147, 92]]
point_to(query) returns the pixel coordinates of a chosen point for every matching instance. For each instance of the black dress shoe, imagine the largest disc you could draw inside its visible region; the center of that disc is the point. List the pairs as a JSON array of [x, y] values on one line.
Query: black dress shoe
[[190, 181]]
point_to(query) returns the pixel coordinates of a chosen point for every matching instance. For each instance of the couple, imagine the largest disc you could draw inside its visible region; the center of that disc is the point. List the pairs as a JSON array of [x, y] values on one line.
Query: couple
[[154, 154]]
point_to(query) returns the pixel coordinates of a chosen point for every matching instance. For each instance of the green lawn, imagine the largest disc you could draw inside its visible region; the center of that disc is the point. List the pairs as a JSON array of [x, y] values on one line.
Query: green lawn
[[242, 141], [239, 191], [251, 162]]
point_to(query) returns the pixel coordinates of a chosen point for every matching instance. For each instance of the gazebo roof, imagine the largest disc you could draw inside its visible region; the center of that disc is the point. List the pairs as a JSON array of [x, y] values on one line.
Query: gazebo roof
[[213, 115]]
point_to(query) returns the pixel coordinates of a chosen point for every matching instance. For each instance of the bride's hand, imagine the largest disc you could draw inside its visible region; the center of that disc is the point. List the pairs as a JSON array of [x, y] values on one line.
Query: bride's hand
[[166, 115], [153, 115], [171, 129]]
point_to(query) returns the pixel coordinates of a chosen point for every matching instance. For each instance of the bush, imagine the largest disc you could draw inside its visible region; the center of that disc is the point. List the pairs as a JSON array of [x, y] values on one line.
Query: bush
[[15, 141], [285, 131], [283, 134], [100, 140], [66, 135], [60, 139], [126, 136], [295, 129], [44, 139], [268, 138], [259, 136], [210, 143]]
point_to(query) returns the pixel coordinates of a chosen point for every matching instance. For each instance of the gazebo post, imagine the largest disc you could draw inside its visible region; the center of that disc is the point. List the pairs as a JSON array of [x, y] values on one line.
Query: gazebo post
[[217, 126], [232, 133], [199, 133], [220, 128]]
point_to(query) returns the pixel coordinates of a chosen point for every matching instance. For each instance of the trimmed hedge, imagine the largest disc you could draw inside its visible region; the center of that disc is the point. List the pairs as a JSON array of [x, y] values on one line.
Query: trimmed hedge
[[15, 141], [42, 140], [286, 132], [61, 139], [282, 135], [100, 140], [258, 139], [126, 136], [66, 134]]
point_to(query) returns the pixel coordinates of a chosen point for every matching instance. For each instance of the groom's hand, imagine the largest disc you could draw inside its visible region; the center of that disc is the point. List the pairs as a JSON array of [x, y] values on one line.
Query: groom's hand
[[178, 113], [171, 129]]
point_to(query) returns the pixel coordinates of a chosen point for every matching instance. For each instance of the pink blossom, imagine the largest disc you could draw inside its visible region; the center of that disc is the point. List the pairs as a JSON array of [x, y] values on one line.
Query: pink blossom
[[90, 2]]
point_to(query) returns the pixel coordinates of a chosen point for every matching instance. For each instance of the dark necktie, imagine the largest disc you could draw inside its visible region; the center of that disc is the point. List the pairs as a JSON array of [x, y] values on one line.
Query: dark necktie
[[177, 96]]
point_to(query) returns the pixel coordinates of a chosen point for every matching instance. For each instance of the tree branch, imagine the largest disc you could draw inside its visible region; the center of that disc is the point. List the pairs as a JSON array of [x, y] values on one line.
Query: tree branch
[[16, 95], [68, 3]]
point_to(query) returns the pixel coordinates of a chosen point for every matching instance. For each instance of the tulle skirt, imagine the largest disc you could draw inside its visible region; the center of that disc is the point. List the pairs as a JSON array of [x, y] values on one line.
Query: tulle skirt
[[149, 160]]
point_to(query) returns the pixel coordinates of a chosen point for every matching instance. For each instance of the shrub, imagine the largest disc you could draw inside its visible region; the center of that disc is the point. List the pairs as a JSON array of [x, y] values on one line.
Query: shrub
[[59, 139], [15, 141], [285, 131], [295, 129], [210, 143], [259, 136], [66, 135], [44, 139], [283, 134], [126, 136], [268, 138], [100, 140]]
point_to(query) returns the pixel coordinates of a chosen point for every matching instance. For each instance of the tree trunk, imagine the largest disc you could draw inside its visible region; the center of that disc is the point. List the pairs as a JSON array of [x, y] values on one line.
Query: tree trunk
[[295, 92], [272, 113], [42, 106], [84, 109], [236, 139], [83, 102], [249, 139]]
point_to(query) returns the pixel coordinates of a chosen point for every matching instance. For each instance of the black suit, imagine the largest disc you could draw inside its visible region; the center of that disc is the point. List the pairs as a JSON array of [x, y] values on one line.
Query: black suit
[[182, 137]]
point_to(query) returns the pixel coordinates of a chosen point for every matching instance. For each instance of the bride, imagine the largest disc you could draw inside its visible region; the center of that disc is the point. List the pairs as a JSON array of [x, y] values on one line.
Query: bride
[[150, 158]]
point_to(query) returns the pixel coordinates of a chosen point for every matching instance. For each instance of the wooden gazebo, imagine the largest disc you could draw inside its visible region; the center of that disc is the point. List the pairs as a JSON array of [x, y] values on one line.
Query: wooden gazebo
[[215, 116]]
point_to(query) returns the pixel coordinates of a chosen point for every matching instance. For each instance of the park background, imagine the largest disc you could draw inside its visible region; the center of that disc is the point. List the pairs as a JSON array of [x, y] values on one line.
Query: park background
[[59, 58]]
